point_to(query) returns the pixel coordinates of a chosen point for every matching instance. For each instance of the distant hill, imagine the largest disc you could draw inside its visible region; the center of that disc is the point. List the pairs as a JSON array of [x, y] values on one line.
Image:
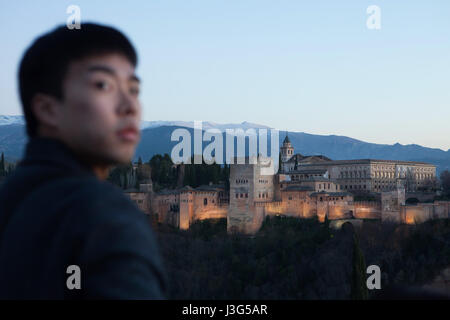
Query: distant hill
[[156, 139], [12, 141]]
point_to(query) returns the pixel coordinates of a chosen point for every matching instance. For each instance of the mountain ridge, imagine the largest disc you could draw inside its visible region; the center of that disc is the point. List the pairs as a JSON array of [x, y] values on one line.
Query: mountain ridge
[[156, 139]]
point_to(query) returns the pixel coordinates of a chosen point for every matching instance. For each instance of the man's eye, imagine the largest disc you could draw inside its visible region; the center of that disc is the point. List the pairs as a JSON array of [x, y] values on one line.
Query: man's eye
[[102, 85]]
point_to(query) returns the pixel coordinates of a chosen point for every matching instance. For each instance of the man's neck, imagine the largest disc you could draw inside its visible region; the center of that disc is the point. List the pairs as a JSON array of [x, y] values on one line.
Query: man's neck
[[101, 171]]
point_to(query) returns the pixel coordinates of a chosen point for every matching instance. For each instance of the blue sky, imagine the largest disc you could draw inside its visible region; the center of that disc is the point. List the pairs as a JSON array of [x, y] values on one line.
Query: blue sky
[[310, 66]]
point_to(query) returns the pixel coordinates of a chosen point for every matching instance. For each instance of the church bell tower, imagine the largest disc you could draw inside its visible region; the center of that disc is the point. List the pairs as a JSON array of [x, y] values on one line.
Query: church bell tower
[[286, 150]]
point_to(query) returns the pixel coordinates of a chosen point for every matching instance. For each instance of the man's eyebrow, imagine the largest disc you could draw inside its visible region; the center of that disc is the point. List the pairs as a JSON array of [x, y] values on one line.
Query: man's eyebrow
[[101, 68], [110, 71]]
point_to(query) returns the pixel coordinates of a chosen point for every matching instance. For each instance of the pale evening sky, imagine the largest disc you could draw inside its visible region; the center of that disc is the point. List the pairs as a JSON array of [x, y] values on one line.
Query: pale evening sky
[[310, 66]]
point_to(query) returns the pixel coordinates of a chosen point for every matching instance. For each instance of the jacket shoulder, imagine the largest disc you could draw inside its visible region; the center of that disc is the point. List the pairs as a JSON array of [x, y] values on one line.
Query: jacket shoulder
[[103, 199]]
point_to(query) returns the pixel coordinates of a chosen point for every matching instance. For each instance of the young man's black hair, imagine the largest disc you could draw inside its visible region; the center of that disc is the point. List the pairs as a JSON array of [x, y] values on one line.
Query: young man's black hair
[[80, 97], [45, 63]]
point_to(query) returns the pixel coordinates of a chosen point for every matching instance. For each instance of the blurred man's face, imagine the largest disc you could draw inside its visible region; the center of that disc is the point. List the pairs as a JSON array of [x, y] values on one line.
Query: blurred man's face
[[100, 110]]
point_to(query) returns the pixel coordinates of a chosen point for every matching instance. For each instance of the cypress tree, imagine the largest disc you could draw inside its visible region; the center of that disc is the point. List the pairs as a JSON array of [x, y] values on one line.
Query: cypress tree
[[2, 165], [359, 287], [326, 222], [279, 163]]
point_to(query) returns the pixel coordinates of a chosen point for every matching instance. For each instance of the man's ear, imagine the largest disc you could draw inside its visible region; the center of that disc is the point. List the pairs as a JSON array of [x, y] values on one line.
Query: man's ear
[[46, 109]]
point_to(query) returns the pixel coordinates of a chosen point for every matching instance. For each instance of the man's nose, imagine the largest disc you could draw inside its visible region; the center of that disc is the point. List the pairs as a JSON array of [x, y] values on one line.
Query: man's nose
[[128, 105]]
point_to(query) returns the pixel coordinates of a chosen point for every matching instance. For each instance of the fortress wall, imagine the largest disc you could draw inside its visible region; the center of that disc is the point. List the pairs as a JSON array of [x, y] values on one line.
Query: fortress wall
[[211, 210], [392, 216], [339, 210], [298, 204], [442, 209], [426, 211], [270, 208], [322, 210], [171, 218], [309, 209], [416, 214], [160, 205], [161, 209], [369, 210], [186, 210], [368, 204], [292, 208], [216, 212], [142, 200]]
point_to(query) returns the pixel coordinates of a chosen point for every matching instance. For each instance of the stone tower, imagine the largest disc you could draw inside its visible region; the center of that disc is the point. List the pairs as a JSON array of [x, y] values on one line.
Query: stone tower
[[250, 187], [286, 150], [186, 207]]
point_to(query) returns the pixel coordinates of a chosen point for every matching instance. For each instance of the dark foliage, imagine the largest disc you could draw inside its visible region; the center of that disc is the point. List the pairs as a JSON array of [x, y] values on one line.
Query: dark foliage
[[293, 258], [284, 260], [359, 287], [445, 183], [166, 175], [123, 176]]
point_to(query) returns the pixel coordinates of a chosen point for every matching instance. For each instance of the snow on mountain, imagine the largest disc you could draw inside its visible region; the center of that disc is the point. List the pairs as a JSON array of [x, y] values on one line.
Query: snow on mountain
[[18, 119], [205, 125], [6, 120]]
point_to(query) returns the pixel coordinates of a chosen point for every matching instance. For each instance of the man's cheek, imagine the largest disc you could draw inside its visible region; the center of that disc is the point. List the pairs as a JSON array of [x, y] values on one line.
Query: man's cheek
[[104, 108]]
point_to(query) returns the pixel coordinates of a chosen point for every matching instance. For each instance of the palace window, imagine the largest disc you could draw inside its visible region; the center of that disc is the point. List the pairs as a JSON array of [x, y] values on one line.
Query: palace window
[[205, 201]]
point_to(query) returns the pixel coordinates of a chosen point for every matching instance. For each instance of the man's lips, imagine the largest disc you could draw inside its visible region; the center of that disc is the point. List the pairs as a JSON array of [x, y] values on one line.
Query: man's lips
[[130, 134]]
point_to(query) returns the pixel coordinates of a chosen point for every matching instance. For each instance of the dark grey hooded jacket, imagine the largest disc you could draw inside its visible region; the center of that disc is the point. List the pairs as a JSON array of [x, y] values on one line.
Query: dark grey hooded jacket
[[54, 213]]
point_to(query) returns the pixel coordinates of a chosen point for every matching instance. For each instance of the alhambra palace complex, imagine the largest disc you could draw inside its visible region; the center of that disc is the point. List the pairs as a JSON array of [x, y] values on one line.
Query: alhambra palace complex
[[304, 187]]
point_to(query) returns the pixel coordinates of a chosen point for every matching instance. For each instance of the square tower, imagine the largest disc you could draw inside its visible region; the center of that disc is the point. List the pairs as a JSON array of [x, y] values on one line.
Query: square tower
[[250, 187]]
